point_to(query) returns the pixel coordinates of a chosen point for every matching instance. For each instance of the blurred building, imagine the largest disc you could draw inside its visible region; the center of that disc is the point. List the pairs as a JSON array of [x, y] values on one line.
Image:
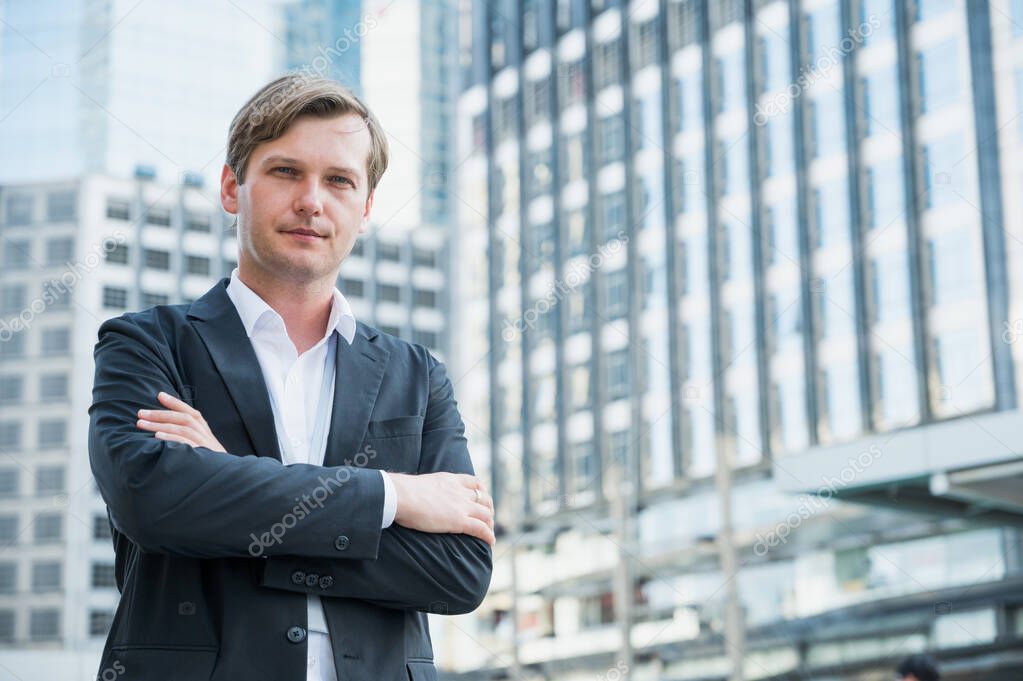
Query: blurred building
[[731, 265], [100, 224], [100, 87]]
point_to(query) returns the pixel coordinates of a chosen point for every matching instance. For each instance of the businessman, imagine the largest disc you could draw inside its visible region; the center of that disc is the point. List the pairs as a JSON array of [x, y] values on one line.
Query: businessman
[[289, 489]]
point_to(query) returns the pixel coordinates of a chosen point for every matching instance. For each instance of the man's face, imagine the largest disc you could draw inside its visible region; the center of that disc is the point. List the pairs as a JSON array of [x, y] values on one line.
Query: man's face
[[304, 200]]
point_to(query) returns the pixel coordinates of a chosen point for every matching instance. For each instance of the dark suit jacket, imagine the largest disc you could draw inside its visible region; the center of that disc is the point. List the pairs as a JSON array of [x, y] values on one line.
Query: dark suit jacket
[[217, 552]]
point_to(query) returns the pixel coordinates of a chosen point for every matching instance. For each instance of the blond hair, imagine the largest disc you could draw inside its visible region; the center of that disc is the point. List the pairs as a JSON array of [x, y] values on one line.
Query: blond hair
[[272, 110]]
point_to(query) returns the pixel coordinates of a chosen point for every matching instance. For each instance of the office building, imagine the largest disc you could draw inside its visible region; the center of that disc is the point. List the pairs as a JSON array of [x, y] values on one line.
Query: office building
[[747, 334]]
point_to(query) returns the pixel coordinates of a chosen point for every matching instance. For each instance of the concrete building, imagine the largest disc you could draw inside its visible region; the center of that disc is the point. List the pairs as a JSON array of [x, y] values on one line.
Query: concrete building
[[746, 261]]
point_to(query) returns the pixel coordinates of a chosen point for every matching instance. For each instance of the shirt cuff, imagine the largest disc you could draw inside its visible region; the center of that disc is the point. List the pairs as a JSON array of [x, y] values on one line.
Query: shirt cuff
[[390, 501]]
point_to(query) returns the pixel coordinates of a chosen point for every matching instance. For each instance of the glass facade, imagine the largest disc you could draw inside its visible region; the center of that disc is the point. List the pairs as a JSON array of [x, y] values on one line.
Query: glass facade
[[767, 238]]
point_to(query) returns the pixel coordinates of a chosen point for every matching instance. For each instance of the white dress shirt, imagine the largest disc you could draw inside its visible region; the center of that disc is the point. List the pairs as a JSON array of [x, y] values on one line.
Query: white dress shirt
[[294, 383]]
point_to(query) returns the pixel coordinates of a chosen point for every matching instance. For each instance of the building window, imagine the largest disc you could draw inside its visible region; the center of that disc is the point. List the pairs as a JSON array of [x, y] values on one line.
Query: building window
[[10, 434], [390, 330], [353, 287], [100, 622], [197, 222], [578, 310], [572, 83], [18, 209], [424, 298], [44, 625], [157, 260], [607, 64], [49, 480], [47, 528], [56, 341], [103, 576], [118, 255], [828, 121], [424, 257], [645, 44], [52, 433], [617, 294], [12, 389], [60, 206], [388, 251], [617, 375], [17, 254], [9, 478], [152, 299], [101, 527], [938, 70], [196, 264], [884, 193], [389, 293], [14, 347], [611, 138], [156, 215], [118, 209], [880, 111], [60, 299], [537, 100], [538, 172], [7, 626], [115, 298], [13, 298], [731, 82], [53, 386], [8, 578], [8, 530], [59, 251], [46, 577]]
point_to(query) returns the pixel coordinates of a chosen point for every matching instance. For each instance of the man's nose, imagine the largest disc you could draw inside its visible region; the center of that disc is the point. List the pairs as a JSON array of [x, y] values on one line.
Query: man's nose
[[307, 201]]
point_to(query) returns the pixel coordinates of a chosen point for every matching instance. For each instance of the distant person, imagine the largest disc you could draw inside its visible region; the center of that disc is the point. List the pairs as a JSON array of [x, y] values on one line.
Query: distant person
[[918, 668], [289, 488]]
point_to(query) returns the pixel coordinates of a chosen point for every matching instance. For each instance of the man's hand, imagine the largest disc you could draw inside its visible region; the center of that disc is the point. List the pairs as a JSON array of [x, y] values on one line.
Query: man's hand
[[444, 502], [178, 423], [433, 502]]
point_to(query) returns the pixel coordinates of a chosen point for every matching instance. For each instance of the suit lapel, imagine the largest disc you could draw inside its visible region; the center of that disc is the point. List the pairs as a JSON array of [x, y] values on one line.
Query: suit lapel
[[216, 321], [360, 370]]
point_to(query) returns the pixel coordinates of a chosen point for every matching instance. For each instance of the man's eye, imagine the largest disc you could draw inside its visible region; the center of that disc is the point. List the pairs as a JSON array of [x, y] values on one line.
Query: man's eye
[[340, 178], [284, 169]]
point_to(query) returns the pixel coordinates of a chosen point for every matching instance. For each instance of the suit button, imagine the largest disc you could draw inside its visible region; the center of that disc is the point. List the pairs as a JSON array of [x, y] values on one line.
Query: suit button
[[296, 634], [312, 579], [341, 543], [298, 577], [326, 582]]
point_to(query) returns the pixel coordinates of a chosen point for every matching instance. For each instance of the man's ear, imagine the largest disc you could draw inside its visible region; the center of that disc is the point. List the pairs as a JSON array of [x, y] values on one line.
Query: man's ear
[[229, 190], [364, 224]]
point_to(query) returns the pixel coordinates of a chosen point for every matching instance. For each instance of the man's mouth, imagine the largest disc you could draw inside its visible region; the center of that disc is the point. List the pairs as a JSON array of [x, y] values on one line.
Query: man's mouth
[[304, 233]]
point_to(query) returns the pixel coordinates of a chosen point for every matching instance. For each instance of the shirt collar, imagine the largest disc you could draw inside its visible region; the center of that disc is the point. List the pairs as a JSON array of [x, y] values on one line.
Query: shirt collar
[[255, 312]]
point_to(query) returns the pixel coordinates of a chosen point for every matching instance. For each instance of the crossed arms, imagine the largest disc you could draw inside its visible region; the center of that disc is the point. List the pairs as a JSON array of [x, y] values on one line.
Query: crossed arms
[[175, 498]]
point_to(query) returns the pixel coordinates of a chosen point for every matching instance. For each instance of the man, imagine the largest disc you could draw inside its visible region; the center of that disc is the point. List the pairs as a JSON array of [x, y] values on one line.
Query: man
[[917, 668], [289, 489]]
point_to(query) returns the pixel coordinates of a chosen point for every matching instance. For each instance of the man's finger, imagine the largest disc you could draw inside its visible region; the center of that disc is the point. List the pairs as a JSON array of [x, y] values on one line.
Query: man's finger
[[175, 438], [169, 428], [165, 416], [475, 527], [174, 403]]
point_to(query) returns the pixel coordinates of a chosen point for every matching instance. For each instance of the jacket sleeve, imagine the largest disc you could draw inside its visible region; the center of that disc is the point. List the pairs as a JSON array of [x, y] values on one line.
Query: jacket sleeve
[[440, 573], [172, 498]]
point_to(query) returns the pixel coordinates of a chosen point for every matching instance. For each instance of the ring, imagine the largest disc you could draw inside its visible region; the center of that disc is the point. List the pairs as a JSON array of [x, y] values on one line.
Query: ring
[[477, 491]]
